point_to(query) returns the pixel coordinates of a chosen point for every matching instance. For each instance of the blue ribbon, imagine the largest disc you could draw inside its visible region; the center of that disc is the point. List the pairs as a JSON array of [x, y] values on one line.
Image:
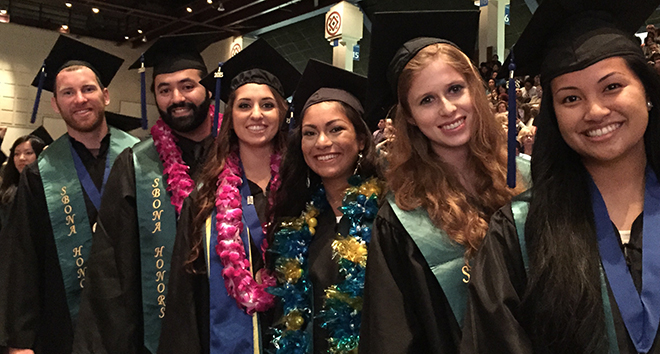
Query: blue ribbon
[[231, 329], [216, 112], [250, 217], [511, 143], [40, 87], [640, 313], [86, 180]]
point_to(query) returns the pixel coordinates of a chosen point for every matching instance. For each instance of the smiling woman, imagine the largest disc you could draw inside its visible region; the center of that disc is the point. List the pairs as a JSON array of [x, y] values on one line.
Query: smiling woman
[[217, 300], [571, 266], [447, 176], [330, 188]]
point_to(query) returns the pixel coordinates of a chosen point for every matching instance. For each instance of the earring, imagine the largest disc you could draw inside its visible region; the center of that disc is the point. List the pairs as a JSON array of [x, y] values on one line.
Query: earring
[[308, 177], [357, 167], [649, 105]]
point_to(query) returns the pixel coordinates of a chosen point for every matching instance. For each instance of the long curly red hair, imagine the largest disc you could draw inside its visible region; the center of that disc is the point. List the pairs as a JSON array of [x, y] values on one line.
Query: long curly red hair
[[420, 178]]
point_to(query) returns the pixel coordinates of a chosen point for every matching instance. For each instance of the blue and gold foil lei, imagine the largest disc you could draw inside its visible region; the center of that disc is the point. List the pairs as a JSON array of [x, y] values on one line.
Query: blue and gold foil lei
[[343, 301]]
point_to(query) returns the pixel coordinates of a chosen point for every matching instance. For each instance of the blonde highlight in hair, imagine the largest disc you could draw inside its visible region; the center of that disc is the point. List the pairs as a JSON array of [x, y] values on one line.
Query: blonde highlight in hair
[[419, 178]]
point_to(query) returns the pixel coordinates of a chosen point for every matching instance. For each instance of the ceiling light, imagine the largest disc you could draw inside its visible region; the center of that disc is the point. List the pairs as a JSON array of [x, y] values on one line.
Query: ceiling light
[[140, 31], [188, 9], [68, 4], [221, 7], [65, 27], [144, 39], [126, 37], [3, 12], [95, 10], [209, 2]]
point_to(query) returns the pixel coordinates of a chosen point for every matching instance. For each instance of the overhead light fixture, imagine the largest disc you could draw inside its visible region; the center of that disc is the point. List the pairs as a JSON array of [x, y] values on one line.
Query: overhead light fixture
[[221, 7], [4, 16], [126, 37], [188, 9], [3, 12], [144, 39], [68, 4], [140, 31], [64, 29], [95, 10], [210, 2]]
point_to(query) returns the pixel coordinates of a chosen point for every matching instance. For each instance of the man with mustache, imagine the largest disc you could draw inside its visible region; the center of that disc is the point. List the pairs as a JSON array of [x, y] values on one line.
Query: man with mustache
[[129, 266], [44, 247]]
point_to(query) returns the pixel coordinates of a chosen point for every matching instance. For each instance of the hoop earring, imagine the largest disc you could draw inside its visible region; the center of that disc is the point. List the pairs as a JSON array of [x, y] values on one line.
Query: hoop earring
[[359, 161]]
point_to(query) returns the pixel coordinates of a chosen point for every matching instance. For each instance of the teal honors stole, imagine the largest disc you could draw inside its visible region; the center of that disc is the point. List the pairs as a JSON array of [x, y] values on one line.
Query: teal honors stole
[[157, 226], [520, 209], [444, 257], [67, 210]]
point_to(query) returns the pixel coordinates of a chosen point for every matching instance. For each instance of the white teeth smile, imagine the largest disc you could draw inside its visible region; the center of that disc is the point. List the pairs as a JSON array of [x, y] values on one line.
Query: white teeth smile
[[453, 125], [327, 157], [602, 131], [256, 128]]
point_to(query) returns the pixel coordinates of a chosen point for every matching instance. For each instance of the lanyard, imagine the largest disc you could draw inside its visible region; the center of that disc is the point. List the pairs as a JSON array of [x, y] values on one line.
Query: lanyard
[[640, 312], [86, 180]]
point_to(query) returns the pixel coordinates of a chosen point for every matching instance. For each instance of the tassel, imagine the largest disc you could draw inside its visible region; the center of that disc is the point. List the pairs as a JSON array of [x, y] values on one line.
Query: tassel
[[290, 120], [511, 143], [40, 87], [143, 93], [216, 112]]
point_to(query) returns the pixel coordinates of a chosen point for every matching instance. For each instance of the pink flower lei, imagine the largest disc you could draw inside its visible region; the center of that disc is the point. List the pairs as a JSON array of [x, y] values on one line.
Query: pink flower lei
[[250, 294], [179, 183]]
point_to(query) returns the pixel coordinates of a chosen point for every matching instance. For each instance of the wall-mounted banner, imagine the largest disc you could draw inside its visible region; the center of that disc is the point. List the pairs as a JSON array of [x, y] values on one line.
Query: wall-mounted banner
[[356, 52], [507, 7]]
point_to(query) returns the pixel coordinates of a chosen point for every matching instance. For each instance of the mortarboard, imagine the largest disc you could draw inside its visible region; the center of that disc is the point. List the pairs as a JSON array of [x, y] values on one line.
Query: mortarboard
[[569, 35], [42, 134], [122, 122], [170, 54], [398, 36], [68, 52], [322, 82], [258, 63]]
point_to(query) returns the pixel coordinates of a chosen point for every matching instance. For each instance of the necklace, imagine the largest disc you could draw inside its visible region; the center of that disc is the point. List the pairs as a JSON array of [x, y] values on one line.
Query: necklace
[[179, 183], [250, 294], [342, 307]]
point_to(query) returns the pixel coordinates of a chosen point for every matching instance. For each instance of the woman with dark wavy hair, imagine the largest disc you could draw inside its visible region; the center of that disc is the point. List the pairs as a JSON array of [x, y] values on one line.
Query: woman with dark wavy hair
[[217, 300], [572, 265], [331, 181], [23, 152]]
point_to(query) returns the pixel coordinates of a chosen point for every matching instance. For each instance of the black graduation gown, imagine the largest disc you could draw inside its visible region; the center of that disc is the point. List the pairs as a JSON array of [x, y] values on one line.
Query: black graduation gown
[[112, 300], [33, 308], [405, 309], [185, 327], [493, 321]]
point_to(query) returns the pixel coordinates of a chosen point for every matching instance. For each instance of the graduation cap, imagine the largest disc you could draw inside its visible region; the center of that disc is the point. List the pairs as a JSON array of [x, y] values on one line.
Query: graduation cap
[[121, 121], [170, 54], [323, 82], [258, 63], [42, 134], [569, 35], [69, 52], [398, 36]]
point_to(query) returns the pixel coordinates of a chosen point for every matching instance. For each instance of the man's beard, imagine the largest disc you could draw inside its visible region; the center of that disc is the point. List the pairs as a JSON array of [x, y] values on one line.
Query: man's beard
[[189, 122]]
